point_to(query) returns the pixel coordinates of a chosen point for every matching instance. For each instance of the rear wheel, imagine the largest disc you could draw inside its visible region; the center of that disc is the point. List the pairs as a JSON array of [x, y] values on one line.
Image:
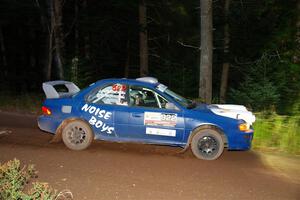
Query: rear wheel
[[207, 144], [77, 135]]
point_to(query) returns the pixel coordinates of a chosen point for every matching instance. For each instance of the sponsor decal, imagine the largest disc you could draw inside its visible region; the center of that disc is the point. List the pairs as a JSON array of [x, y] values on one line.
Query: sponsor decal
[[98, 118], [160, 119], [162, 132], [161, 87]]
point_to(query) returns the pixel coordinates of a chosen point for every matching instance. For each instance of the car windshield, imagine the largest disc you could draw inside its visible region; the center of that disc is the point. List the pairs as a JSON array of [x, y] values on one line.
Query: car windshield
[[178, 98]]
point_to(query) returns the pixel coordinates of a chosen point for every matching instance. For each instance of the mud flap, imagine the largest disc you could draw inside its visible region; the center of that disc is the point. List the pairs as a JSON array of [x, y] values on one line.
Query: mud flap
[[56, 138], [184, 149], [58, 134]]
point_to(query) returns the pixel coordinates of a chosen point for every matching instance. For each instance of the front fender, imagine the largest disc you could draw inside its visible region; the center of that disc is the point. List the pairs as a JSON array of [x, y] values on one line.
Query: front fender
[[205, 126]]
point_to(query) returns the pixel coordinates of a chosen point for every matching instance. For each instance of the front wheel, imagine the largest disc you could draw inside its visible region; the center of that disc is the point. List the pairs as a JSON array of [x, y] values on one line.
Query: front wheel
[[207, 144], [77, 135]]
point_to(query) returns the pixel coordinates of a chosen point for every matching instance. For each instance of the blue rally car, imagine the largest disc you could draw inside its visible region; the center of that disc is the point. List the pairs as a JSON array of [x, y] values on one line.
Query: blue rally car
[[145, 111]]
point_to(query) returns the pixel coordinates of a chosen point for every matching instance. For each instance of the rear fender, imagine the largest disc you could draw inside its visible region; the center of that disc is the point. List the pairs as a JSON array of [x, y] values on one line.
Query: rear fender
[[58, 134]]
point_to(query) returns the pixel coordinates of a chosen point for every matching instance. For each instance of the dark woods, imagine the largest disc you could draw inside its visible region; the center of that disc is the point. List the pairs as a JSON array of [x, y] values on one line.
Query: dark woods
[[255, 46]]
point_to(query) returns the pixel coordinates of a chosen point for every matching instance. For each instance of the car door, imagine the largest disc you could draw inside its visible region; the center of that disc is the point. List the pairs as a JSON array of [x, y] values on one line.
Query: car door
[[99, 106], [147, 119]]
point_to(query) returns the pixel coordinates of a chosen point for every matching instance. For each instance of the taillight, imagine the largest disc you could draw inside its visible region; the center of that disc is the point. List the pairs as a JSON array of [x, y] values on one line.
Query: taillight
[[46, 111]]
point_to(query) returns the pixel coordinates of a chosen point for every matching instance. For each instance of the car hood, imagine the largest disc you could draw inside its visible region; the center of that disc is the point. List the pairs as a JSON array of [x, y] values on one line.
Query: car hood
[[232, 111]]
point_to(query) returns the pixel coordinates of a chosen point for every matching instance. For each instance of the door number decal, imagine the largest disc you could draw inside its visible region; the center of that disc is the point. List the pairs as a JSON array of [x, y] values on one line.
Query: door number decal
[[160, 119]]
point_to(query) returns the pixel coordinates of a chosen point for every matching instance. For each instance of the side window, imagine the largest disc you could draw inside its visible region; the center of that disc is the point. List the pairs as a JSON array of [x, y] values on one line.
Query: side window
[[162, 101], [140, 96], [113, 94], [144, 97]]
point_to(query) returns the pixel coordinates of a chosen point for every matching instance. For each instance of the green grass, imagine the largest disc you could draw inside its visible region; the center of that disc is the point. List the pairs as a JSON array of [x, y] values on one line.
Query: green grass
[[277, 133]]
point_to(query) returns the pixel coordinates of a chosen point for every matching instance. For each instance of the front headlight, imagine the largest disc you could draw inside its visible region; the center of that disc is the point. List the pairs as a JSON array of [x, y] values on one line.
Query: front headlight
[[244, 127]]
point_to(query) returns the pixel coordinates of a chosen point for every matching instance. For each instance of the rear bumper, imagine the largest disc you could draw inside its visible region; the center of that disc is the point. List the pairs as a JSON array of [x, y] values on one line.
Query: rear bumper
[[240, 140], [48, 124]]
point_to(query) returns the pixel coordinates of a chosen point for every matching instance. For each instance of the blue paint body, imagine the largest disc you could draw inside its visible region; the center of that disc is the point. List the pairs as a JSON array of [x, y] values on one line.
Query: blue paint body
[[128, 121]]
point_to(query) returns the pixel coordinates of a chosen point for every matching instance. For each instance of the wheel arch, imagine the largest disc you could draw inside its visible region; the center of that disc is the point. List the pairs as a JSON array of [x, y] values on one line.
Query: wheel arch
[[58, 133], [207, 126]]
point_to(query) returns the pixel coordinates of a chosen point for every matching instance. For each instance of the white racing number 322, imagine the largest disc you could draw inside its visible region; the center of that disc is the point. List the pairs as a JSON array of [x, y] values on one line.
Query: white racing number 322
[[160, 119]]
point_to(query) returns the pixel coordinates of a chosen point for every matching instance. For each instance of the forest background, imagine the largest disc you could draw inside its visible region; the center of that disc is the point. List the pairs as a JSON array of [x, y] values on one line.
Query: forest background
[[255, 53]]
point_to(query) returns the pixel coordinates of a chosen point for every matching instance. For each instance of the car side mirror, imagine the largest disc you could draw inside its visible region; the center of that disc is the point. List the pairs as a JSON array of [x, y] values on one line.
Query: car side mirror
[[171, 106]]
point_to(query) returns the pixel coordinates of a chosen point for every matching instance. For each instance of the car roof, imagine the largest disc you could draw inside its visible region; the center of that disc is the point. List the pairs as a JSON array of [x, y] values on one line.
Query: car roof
[[141, 82]]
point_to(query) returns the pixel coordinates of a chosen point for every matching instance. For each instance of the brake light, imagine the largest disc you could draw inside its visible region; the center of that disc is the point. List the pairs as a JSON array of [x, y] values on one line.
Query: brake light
[[46, 111]]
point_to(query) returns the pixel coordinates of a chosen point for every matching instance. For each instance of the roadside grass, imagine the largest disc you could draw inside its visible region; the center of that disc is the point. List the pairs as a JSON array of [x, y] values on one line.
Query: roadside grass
[[277, 133], [27, 103]]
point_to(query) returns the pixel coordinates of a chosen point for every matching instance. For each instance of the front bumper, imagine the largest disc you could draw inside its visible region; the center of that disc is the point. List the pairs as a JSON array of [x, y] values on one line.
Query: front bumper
[[240, 140]]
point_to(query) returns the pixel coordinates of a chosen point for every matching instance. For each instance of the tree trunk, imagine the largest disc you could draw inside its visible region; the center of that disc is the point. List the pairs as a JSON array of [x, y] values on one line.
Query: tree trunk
[[205, 83], [3, 52], [143, 39], [298, 24], [76, 32], [31, 49], [49, 63], [58, 37], [126, 71], [75, 60], [49, 28], [87, 49], [47, 32], [226, 64], [296, 58]]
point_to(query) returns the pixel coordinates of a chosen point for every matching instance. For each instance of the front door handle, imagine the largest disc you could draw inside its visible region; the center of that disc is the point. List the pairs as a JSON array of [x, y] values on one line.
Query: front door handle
[[136, 115]]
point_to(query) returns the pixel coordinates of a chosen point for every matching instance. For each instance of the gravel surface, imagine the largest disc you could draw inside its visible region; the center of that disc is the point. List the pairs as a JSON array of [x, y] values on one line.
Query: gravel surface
[[134, 171]]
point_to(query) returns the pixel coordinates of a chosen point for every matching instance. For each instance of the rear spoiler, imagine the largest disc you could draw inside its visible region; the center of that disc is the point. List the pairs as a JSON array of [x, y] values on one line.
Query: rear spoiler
[[52, 93]]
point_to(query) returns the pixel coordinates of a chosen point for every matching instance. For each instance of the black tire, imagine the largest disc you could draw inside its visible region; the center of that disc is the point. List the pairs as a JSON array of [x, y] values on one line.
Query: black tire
[[77, 135], [207, 144]]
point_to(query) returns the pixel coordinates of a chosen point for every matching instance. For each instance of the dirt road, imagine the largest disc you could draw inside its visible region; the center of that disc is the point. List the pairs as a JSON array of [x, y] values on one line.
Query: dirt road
[[131, 171]]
